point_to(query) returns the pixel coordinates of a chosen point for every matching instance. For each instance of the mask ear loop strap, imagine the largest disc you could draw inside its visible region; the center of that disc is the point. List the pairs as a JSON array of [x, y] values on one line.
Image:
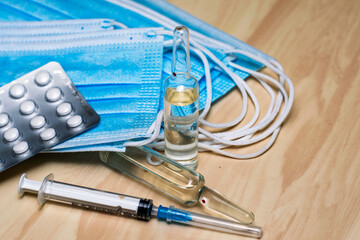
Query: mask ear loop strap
[[155, 127], [267, 146], [209, 92], [266, 133], [208, 84], [285, 95], [119, 24], [241, 156], [243, 89], [276, 67], [210, 147], [265, 121], [271, 109], [209, 97]]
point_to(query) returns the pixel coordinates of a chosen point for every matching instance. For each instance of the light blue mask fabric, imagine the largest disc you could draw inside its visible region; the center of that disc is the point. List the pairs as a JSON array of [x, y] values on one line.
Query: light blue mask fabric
[[118, 72]]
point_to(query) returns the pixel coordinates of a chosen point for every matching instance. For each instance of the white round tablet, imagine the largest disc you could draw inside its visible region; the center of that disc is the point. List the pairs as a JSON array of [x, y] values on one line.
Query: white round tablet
[[48, 134], [27, 107], [53, 94], [17, 91], [11, 134], [4, 119], [37, 122], [64, 109], [42, 78], [74, 121], [20, 147]]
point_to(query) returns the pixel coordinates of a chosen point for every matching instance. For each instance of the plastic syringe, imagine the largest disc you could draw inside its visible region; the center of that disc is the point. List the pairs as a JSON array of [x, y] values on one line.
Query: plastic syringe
[[119, 204]]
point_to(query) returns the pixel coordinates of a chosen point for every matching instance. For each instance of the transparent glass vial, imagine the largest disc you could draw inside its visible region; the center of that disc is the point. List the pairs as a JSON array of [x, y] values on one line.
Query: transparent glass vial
[[181, 107], [176, 181]]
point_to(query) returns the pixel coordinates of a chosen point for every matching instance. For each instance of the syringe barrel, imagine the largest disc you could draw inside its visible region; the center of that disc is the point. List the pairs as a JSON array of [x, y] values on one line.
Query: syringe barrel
[[89, 198]]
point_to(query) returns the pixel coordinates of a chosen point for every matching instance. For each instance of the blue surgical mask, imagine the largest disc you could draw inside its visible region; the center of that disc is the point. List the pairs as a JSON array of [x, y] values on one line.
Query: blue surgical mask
[[119, 73]]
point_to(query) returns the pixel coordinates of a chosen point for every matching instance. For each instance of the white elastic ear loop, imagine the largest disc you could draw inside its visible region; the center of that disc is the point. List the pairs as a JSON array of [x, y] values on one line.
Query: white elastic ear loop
[[209, 97], [262, 124], [119, 24], [156, 128], [242, 156], [263, 76], [149, 160], [168, 43], [272, 65], [272, 108], [227, 138], [217, 148], [208, 84], [206, 147], [266, 133], [277, 68], [282, 75], [222, 137], [240, 84]]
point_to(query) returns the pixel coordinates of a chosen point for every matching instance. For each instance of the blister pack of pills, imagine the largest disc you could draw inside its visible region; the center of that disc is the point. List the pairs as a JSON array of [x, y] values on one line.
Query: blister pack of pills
[[39, 110]]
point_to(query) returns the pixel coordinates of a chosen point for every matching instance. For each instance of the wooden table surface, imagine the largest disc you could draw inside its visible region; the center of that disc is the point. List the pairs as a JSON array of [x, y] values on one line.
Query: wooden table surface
[[307, 186]]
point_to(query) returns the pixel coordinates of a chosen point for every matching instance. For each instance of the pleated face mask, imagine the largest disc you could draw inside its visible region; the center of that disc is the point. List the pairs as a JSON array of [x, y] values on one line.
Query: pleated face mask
[[118, 72], [219, 61]]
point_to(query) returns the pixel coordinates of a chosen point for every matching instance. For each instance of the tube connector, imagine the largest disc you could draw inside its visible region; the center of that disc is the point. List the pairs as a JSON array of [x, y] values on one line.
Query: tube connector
[[172, 214]]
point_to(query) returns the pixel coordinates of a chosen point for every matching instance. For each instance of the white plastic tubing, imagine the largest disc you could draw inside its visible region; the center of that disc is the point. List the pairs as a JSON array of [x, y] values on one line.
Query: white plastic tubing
[[281, 94]]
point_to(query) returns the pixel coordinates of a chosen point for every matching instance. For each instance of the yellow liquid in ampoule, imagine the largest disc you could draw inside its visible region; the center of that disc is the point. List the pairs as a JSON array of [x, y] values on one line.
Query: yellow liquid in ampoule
[[181, 125]]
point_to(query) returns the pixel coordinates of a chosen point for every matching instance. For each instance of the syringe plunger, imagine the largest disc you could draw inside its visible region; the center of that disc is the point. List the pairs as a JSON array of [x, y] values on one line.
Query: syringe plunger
[[79, 196]]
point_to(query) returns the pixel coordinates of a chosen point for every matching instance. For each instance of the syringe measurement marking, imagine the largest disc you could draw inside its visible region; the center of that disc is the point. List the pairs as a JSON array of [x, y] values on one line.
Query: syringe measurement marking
[[118, 212]]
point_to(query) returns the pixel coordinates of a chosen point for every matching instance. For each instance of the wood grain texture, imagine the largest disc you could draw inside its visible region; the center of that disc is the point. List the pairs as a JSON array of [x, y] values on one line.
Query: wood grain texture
[[305, 187]]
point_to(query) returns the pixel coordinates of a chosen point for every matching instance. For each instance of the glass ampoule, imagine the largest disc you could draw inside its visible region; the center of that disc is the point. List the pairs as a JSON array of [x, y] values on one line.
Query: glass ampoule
[[181, 107]]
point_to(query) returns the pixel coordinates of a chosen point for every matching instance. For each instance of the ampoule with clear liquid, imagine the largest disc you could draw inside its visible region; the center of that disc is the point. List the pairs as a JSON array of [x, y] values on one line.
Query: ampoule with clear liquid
[[181, 108]]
